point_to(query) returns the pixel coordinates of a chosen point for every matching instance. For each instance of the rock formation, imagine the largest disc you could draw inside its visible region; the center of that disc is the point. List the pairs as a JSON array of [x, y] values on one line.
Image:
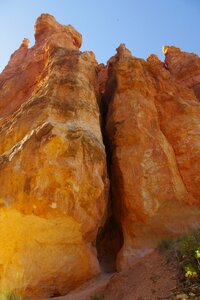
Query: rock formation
[[54, 204], [153, 129], [184, 67], [53, 173]]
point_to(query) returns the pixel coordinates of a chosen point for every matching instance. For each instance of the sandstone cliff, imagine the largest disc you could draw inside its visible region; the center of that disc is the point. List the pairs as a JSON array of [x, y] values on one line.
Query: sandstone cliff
[[58, 108], [52, 166], [153, 129], [184, 67]]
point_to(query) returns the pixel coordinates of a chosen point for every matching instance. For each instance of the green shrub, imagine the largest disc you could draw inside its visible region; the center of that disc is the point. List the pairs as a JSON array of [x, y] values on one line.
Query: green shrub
[[185, 251]]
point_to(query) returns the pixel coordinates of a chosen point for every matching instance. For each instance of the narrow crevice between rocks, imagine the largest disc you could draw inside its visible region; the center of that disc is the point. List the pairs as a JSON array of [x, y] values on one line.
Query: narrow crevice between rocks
[[110, 237]]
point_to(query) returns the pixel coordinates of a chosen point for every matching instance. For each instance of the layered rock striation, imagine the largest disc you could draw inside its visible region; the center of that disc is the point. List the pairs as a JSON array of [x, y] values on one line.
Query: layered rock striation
[[58, 108], [154, 134], [53, 173]]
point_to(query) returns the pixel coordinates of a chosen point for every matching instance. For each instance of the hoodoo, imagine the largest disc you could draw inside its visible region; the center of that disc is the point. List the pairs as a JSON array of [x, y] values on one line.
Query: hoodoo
[[53, 175], [154, 135], [66, 122]]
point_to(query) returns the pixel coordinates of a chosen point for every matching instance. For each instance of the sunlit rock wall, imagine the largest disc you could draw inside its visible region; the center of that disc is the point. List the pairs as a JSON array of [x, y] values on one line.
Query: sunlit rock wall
[[53, 176], [154, 136]]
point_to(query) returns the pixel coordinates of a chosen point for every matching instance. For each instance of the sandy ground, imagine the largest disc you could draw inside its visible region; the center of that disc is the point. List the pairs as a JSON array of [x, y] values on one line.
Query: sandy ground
[[150, 279]]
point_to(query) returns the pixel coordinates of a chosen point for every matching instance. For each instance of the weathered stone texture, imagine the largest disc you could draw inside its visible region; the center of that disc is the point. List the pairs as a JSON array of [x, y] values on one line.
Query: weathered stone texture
[[153, 129], [53, 174], [53, 163]]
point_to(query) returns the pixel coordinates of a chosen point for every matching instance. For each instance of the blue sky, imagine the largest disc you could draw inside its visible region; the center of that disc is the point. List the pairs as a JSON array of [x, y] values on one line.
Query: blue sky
[[144, 25]]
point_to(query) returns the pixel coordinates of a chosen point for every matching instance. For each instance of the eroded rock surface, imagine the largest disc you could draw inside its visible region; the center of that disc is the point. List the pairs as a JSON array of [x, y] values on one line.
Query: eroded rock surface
[[53, 174], [153, 128], [184, 67], [54, 209]]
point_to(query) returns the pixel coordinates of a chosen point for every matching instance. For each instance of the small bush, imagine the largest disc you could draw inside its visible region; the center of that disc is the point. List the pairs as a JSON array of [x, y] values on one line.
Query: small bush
[[185, 251]]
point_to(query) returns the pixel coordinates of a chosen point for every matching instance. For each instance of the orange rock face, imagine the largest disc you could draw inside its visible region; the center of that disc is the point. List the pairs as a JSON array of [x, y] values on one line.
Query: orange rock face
[[53, 164], [184, 67], [153, 129], [53, 177]]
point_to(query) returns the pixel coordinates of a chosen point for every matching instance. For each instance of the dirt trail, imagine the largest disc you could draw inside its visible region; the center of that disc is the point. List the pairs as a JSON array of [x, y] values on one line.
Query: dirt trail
[[150, 279]]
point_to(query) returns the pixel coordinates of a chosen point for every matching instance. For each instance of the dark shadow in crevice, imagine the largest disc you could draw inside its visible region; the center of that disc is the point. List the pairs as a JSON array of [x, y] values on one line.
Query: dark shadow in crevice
[[109, 242], [110, 237]]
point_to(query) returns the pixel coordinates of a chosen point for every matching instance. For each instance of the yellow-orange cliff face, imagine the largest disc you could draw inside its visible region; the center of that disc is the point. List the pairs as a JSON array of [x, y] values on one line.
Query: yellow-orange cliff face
[[184, 67], [53, 171], [153, 128], [53, 175]]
